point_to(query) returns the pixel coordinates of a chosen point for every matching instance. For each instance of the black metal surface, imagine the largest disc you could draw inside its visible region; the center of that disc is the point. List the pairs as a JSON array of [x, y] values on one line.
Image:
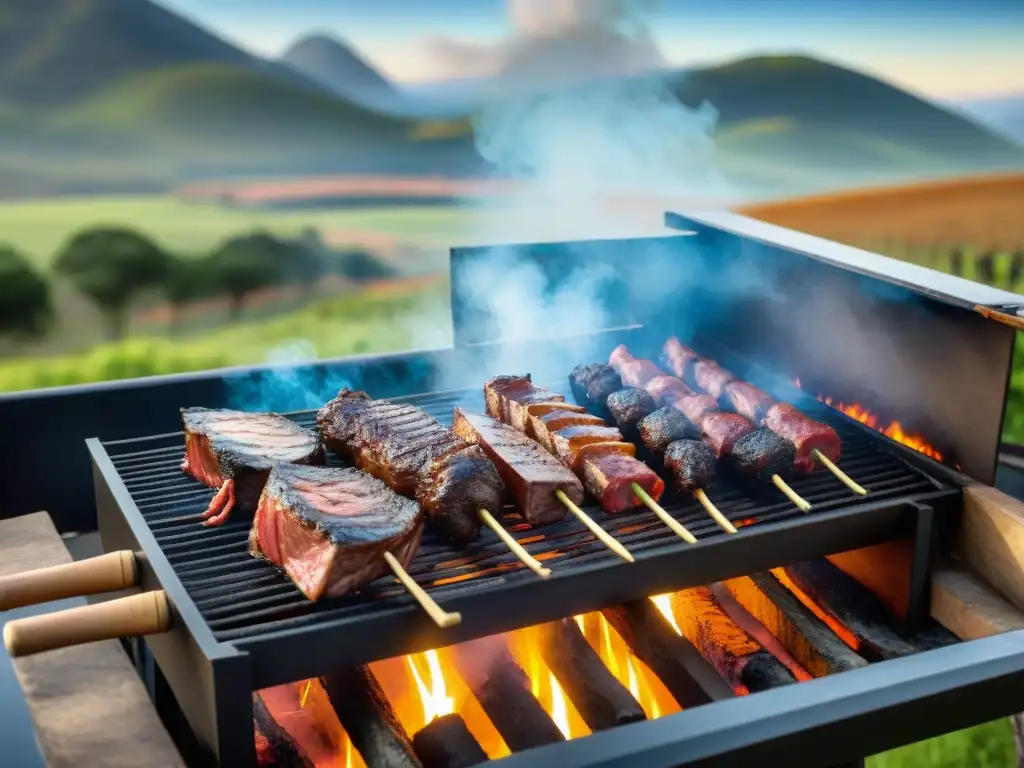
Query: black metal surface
[[251, 606]]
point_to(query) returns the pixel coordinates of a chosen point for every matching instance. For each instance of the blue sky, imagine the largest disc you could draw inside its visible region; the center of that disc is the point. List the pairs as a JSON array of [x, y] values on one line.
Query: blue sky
[[939, 48]]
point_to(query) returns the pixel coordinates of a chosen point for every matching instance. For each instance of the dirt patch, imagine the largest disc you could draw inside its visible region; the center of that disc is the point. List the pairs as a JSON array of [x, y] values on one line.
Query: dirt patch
[[982, 212]]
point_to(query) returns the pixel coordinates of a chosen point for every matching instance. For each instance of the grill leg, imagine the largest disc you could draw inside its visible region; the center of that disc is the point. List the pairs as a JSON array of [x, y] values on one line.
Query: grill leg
[[1017, 723]]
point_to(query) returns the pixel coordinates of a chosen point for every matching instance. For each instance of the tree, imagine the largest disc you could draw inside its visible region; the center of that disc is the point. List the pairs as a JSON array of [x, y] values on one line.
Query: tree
[[112, 266], [26, 305], [361, 266], [245, 264], [187, 280]]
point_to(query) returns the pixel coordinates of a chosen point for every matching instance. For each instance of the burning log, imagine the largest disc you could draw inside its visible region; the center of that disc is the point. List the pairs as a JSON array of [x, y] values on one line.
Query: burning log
[[446, 742], [726, 646], [503, 690], [671, 657], [853, 605], [368, 719], [810, 640], [274, 748], [601, 700]]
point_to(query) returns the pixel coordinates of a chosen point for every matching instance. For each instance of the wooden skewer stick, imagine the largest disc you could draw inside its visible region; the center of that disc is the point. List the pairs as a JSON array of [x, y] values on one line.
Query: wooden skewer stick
[[441, 617], [712, 510], [677, 528], [527, 559], [602, 535], [841, 476], [802, 504]]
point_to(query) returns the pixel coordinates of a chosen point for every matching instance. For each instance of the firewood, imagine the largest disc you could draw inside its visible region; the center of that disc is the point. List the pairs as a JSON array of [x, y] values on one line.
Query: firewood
[[671, 657], [446, 742], [602, 701], [725, 645], [274, 748], [854, 606], [503, 691], [810, 640], [368, 719]]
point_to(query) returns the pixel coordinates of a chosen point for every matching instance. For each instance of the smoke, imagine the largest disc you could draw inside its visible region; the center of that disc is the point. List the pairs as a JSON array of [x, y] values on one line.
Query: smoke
[[289, 383]]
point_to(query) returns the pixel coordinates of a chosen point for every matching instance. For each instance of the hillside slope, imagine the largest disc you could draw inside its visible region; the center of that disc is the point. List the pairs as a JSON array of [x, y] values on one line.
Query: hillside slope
[[334, 65]]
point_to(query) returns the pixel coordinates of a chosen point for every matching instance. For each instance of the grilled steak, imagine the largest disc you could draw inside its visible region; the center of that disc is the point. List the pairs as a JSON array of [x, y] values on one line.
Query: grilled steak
[[762, 453], [591, 384], [456, 486], [566, 443], [513, 399], [415, 456], [541, 427], [234, 451], [747, 400], [328, 528], [628, 406], [531, 474], [665, 426], [610, 480], [394, 442], [692, 463], [805, 434], [722, 430]]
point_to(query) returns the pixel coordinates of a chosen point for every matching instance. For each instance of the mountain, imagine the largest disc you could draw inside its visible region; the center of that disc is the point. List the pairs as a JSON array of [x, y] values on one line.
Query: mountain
[[334, 65], [1003, 114]]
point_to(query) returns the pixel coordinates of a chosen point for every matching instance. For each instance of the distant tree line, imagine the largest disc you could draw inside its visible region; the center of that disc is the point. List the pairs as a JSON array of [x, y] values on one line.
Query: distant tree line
[[114, 266]]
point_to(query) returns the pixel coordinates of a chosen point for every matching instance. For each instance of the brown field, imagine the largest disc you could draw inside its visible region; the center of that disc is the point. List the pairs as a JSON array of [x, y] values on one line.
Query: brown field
[[985, 213]]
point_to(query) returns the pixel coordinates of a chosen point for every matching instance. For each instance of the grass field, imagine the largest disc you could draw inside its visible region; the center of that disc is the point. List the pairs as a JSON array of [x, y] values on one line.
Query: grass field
[[40, 227]]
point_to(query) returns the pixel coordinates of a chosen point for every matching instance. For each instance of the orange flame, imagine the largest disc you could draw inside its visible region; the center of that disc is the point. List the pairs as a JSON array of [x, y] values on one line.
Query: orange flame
[[893, 430]]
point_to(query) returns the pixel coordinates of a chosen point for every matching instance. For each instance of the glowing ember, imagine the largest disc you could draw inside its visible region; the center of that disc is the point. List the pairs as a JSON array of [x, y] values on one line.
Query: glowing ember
[[664, 604], [834, 624], [436, 701], [893, 430]]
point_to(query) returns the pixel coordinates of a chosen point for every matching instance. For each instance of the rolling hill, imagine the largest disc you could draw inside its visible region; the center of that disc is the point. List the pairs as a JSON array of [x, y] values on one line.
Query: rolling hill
[[336, 67], [1003, 114]]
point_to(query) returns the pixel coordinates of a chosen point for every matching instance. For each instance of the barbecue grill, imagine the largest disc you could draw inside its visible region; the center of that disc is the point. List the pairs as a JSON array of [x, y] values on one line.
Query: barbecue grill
[[239, 626]]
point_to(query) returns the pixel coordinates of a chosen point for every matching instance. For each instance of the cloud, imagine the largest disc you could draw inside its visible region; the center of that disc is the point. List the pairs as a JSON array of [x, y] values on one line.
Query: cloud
[[556, 43]]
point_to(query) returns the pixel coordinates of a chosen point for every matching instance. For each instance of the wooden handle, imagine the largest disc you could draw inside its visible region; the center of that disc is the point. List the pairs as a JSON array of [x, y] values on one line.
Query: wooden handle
[[144, 614], [107, 573], [992, 539]]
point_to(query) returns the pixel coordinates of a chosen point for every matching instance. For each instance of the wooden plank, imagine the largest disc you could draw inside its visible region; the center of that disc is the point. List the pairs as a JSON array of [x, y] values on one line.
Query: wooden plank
[[992, 539], [968, 607], [87, 702]]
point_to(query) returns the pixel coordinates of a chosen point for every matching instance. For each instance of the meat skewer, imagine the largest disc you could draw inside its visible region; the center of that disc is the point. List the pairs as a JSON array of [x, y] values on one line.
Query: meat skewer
[[636, 412], [813, 441], [326, 528], [727, 434], [453, 481], [596, 453]]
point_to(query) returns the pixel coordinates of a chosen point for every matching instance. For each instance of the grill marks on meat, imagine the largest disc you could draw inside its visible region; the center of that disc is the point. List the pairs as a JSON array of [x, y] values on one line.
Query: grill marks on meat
[[531, 474], [597, 454], [328, 528], [417, 457], [234, 452], [806, 435], [762, 453], [628, 406]]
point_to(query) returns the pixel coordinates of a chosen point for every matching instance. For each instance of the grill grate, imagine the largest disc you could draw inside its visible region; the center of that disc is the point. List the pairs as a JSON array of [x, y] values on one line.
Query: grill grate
[[241, 597]]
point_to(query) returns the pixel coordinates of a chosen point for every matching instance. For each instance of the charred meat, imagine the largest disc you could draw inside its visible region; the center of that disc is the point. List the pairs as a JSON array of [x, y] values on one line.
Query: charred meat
[[329, 528], [806, 435], [531, 474], [520, 399], [233, 451], [762, 453], [592, 384], [610, 480], [415, 456], [692, 463], [665, 426], [628, 406]]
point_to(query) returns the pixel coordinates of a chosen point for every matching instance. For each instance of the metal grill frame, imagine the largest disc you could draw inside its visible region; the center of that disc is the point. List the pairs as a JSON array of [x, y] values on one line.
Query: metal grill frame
[[213, 681]]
